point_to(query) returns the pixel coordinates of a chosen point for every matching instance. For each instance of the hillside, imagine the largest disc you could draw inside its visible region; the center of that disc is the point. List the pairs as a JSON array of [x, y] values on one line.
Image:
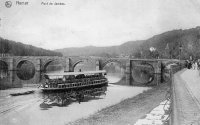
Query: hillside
[[20, 49], [166, 46], [125, 49]]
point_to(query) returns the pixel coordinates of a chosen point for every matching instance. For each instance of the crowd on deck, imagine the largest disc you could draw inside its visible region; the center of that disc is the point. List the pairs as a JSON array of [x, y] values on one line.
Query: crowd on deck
[[81, 78], [89, 79]]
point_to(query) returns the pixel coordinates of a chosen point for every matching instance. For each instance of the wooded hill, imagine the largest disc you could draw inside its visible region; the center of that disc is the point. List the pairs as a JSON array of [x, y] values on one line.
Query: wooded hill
[[19, 49], [166, 46], [111, 51]]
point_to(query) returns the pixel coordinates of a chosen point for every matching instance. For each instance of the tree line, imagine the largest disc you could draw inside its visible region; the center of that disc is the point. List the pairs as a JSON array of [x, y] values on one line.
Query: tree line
[[19, 49]]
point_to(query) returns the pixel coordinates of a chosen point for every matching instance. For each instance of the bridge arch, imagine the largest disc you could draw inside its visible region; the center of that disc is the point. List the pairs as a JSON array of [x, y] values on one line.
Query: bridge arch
[[152, 73], [25, 69], [142, 72], [110, 61], [88, 64], [115, 70], [76, 63], [47, 62]]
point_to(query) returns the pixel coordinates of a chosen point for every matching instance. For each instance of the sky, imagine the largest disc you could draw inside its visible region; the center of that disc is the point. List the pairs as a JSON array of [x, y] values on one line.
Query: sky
[[81, 23]]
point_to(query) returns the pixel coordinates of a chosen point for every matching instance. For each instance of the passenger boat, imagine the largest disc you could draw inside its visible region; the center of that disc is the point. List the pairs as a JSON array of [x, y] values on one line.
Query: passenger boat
[[74, 80]]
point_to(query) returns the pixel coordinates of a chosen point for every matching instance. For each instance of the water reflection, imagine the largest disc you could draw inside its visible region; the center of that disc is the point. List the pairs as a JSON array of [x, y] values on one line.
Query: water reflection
[[113, 77], [25, 70], [114, 72], [142, 73], [65, 98]]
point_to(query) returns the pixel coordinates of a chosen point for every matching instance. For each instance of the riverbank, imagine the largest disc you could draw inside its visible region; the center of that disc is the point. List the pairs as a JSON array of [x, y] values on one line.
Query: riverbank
[[46, 109], [6, 93], [128, 111]]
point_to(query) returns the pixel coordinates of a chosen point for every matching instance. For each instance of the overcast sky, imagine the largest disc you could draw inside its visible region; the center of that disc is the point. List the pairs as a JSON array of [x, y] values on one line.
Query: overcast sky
[[94, 22]]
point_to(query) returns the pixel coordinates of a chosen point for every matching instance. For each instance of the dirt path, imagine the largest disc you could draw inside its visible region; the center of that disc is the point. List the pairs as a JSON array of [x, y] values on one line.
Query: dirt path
[[128, 111]]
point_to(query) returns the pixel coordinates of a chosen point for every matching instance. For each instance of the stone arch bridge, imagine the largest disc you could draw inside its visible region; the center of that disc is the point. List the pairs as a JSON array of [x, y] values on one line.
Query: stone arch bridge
[[40, 64]]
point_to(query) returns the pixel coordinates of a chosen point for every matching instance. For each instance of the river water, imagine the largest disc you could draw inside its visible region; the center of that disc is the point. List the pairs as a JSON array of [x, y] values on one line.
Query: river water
[[40, 109]]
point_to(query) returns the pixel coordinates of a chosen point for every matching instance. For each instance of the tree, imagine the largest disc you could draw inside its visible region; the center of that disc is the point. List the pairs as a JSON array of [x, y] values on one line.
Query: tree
[[19, 49]]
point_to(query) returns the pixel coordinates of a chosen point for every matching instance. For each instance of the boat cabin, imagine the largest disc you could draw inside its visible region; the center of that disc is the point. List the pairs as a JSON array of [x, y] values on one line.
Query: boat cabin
[[74, 79]]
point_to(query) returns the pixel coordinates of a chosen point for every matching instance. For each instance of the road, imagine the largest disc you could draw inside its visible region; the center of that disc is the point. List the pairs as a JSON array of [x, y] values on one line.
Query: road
[[187, 97], [37, 109]]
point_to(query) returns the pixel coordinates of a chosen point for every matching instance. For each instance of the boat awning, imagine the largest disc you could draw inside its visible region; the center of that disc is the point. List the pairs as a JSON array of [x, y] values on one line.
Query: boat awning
[[75, 73]]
